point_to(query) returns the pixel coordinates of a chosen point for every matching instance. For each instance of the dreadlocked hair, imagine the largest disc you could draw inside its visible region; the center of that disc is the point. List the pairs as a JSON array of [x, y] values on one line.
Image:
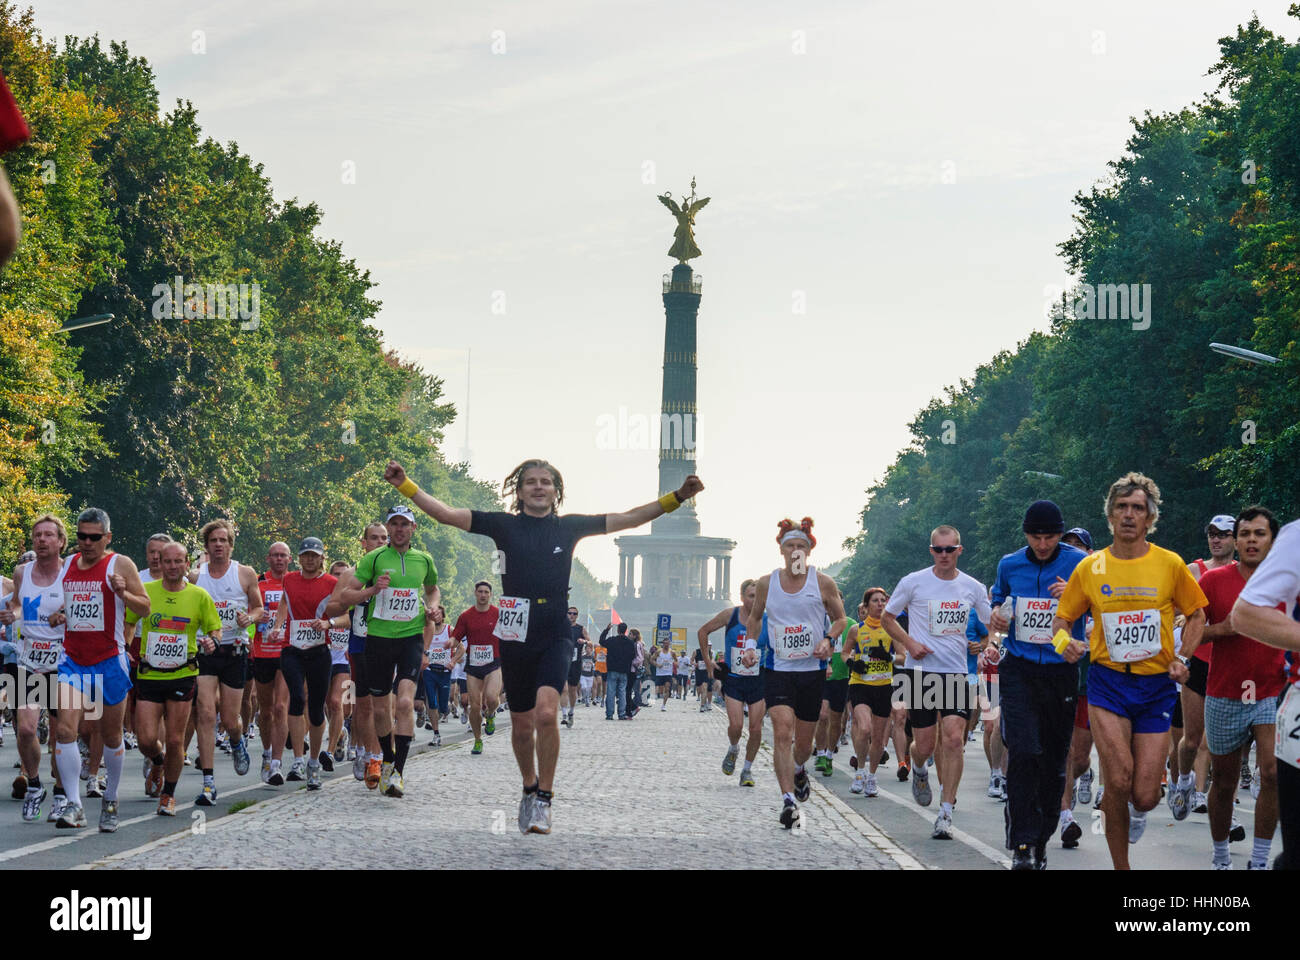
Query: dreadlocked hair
[[806, 525], [510, 486]]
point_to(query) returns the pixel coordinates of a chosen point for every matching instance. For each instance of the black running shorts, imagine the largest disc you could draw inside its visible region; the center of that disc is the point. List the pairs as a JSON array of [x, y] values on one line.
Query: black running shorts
[[798, 689], [226, 665], [527, 667]]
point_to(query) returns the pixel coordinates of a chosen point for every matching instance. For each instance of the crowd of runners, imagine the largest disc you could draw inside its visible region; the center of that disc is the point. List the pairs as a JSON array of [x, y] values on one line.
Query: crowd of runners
[[1171, 672]]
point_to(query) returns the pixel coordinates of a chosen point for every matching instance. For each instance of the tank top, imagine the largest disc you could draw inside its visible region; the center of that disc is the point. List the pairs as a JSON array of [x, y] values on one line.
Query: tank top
[[440, 649], [96, 615], [41, 645], [795, 623], [272, 592], [230, 599], [735, 644]]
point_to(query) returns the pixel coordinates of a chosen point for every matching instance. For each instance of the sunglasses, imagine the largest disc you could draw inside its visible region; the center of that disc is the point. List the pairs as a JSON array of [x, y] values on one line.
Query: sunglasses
[[92, 537], [934, 549], [1218, 534]]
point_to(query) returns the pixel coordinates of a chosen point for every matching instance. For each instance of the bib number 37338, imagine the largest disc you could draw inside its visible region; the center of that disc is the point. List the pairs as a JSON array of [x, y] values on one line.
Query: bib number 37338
[[948, 618], [512, 620], [1287, 737], [1131, 635]]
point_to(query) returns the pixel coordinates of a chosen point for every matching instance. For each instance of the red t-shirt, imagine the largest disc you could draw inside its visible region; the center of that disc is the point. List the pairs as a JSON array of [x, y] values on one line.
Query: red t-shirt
[[306, 598], [478, 627], [1237, 661], [1203, 651], [271, 590]]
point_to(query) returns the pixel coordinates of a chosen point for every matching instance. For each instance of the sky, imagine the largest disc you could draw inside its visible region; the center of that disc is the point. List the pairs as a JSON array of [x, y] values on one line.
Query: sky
[[889, 183]]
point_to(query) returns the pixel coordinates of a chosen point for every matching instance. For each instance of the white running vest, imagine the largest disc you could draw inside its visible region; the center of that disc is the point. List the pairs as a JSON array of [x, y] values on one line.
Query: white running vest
[[795, 623], [41, 645], [230, 599]]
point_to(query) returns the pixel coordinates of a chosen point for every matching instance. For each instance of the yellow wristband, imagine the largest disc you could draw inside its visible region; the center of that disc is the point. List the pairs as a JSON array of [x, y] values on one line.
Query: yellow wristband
[[1061, 641], [669, 502], [408, 488]]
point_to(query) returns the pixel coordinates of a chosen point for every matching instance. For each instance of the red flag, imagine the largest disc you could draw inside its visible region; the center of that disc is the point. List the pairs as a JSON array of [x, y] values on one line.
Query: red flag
[[615, 619]]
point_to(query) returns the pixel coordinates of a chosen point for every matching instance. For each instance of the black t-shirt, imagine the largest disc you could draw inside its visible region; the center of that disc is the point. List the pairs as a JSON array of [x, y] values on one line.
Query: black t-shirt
[[538, 558], [576, 630], [588, 665]]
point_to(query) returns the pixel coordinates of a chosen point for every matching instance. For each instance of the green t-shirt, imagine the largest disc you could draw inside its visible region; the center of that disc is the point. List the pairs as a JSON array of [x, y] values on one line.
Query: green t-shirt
[[174, 618], [399, 610], [838, 670]]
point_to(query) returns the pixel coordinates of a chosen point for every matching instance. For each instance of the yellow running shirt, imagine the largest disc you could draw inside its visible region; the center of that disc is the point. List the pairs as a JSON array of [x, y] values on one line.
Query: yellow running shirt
[[880, 673], [1133, 603]]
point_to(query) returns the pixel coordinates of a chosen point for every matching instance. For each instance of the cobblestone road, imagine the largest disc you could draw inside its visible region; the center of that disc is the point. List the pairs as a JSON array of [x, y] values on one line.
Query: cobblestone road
[[645, 793]]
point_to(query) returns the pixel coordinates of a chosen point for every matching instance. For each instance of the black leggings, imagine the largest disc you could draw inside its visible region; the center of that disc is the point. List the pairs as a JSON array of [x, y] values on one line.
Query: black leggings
[[311, 667], [1288, 809]]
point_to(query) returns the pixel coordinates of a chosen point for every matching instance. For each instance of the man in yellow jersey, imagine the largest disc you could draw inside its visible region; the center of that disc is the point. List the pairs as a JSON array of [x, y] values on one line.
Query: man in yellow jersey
[[1133, 589]]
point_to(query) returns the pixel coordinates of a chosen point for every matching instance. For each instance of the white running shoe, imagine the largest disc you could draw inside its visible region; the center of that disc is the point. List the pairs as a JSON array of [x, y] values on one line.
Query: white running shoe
[[859, 782], [872, 789], [1085, 787], [1137, 824], [993, 786], [942, 827]]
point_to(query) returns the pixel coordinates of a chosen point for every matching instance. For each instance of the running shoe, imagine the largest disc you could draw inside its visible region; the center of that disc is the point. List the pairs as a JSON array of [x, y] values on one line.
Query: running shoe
[[819, 764], [1238, 832], [1199, 802], [464, 717], [166, 805], [1002, 790], [56, 808], [921, 787], [153, 783], [859, 781], [1178, 801], [95, 786], [239, 755], [541, 821], [385, 776], [148, 767], [827, 770], [993, 786], [72, 817], [1252, 865], [207, 796], [1254, 784], [1216, 865], [43, 727], [802, 788], [904, 770], [108, 819], [85, 759], [1137, 824], [326, 760], [746, 778], [313, 774], [942, 827], [884, 756], [396, 784], [526, 811], [844, 739], [129, 740], [1070, 834], [729, 762], [1085, 787], [1020, 858], [298, 769], [359, 766], [32, 801], [20, 787], [490, 725], [436, 741], [428, 724], [266, 768], [790, 816], [373, 773], [1246, 777], [663, 705], [1096, 797], [871, 789], [477, 748], [276, 777]]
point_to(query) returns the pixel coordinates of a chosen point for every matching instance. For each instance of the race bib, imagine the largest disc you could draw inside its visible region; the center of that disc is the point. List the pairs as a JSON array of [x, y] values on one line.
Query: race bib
[[42, 655], [879, 668], [577, 651], [1286, 743], [512, 621], [948, 618], [359, 621], [84, 608], [339, 640], [228, 610], [1034, 618], [305, 636], [600, 657], [791, 641], [439, 657], [1131, 635], [164, 650], [397, 604], [480, 654], [738, 668]]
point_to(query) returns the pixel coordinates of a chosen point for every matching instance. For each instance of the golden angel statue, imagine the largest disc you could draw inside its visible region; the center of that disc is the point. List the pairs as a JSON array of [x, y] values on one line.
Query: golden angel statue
[[684, 247]]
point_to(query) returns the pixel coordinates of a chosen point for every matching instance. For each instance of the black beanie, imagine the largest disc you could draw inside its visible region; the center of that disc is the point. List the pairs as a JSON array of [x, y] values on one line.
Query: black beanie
[[1043, 516]]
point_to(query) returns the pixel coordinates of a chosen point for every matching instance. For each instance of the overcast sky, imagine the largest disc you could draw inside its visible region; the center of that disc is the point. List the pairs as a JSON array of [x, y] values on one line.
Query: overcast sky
[[904, 172]]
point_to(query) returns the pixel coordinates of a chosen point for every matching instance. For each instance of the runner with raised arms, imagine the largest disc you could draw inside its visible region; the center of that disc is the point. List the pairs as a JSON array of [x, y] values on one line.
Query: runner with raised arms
[[797, 601], [535, 650]]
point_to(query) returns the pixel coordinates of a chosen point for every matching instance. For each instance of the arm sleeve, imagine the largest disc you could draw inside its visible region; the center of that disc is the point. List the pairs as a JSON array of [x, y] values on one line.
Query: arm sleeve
[[431, 575], [488, 523], [459, 631], [365, 571], [1188, 596], [581, 525], [983, 608]]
